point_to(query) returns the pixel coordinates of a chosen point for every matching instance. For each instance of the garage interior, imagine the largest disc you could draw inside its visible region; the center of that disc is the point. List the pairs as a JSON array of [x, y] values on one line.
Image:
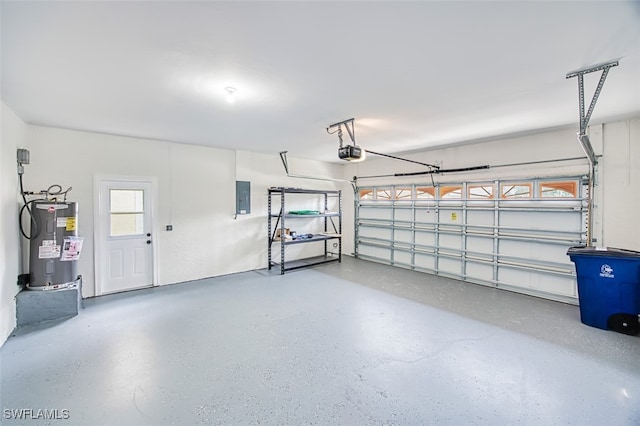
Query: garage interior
[[202, 143]]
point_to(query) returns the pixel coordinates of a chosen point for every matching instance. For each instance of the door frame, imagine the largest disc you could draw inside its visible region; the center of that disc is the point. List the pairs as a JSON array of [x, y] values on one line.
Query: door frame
[[97, 228]]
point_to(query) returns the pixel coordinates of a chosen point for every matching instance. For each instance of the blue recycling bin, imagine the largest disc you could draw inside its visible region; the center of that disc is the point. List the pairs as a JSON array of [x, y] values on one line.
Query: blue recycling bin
[[608, 287]]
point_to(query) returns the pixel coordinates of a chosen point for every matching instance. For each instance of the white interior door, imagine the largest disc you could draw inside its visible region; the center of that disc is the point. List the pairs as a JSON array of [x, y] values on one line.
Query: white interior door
[[125, 240]]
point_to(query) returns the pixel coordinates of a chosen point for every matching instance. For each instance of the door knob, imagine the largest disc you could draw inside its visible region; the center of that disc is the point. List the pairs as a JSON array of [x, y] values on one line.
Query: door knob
[[148, 234], [148, 241]]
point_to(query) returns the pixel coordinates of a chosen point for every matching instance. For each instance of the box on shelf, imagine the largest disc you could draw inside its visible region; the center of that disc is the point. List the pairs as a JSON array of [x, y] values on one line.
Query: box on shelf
[[287, 234]]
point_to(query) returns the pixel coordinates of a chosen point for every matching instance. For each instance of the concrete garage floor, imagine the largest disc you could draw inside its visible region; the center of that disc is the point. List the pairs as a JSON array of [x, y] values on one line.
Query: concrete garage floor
[[352, 343]]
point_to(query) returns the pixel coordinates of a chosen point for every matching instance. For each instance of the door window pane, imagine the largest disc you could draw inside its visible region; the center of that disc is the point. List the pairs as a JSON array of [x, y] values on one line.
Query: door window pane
[[126, 207], [127, 224], [126, 200]]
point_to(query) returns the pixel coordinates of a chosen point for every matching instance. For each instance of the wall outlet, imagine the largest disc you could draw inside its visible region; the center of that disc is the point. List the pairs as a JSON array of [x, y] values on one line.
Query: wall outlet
[[169, 228]]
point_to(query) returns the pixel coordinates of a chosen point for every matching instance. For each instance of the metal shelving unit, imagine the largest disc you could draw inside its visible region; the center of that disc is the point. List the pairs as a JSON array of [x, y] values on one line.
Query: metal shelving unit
[[323, 235]]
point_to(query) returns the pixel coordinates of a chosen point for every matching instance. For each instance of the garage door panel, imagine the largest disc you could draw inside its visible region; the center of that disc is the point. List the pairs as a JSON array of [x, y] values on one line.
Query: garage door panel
[[480, 245], [371, 232], [426, 238], [528, 223], [450, 216], [424, 261], [480, 218], [479, 271], [549, 221], [402, 257], [403, 236], [404, 215], [453, 242], [426, 215], [450, 266], [378, 252], [535, 251], [515, 277], [538, 282], [375, 213], [554, 284]]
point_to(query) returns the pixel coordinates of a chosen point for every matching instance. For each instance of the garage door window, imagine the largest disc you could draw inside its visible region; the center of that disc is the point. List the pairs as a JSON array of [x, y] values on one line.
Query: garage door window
[[566, 189], [383, 194], [480, 192], [366, 194], [516, 190], [451, 192], [425, 193], [403, 193]]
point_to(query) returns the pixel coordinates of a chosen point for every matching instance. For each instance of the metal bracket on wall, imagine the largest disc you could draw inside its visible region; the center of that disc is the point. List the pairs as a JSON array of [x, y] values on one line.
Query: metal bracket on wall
[[583, 138], [586, 116]]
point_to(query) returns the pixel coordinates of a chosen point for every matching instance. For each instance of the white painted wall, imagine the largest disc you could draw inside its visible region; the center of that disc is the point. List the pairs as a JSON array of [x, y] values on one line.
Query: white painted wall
[[196, 194], [13, 136], [618, 183], [620, 200], [196, 190], [560, 143]]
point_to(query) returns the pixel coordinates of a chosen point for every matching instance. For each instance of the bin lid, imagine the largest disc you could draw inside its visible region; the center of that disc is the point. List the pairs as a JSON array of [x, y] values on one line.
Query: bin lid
[[603, 251]]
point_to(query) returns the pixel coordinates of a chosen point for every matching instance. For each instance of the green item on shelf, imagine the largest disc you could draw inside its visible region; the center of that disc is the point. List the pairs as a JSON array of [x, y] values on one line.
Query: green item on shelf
[[303, 212]]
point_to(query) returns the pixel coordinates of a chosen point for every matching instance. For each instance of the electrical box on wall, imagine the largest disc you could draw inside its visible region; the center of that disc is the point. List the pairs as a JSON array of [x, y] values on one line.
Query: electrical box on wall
[[243, 197]]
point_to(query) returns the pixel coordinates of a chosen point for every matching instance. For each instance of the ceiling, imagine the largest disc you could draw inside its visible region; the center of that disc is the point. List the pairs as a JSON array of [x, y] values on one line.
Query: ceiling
[[414, 75]]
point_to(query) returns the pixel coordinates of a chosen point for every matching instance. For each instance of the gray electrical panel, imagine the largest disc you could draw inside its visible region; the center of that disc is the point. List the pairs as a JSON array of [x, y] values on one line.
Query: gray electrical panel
[[243, 197]]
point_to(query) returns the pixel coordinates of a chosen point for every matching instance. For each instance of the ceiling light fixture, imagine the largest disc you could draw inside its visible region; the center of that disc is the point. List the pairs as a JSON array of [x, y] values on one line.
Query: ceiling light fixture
[[231, 98]]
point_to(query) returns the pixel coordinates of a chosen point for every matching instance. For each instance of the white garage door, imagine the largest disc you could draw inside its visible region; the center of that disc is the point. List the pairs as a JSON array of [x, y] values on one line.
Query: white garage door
[[507, 234]]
